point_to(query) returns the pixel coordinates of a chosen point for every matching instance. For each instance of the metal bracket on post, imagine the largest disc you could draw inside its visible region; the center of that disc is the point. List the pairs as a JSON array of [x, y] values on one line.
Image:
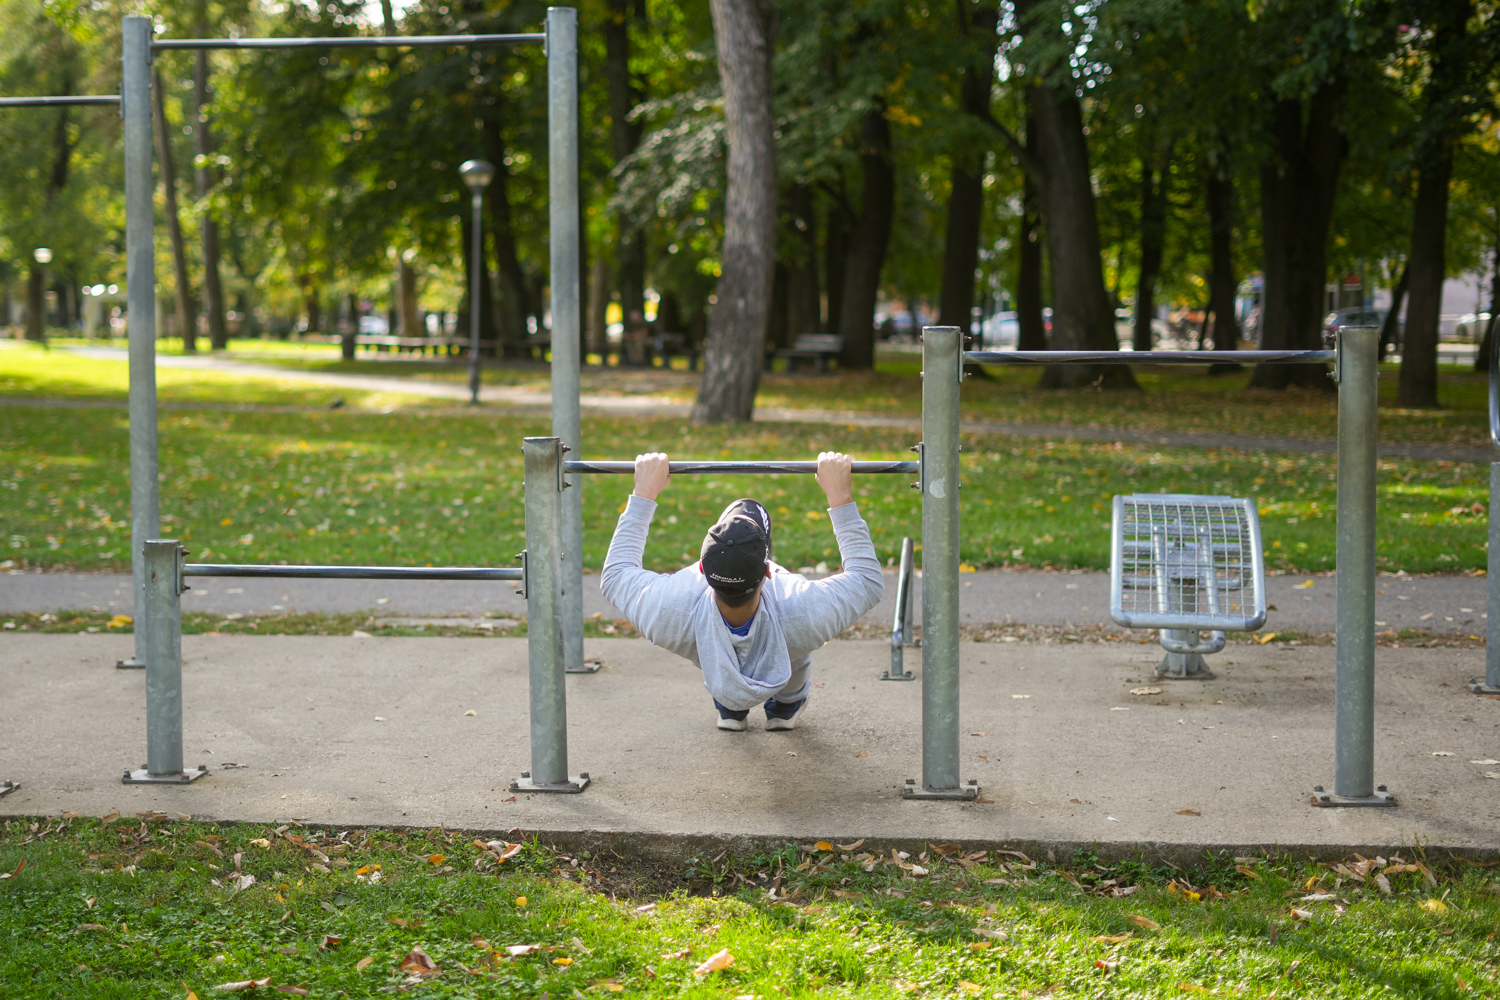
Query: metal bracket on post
[[164, 560], [921, 451], [575, 784], [901, 627]]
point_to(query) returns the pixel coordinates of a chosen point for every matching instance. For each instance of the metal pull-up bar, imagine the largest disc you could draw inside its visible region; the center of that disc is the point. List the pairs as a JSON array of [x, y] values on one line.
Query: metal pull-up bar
[[1147, 357], [351, 42], [63, 101], [737, 468], [266, 572]]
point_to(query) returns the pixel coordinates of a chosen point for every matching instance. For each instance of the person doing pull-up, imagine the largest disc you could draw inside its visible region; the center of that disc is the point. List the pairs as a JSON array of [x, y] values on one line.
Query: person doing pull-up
[[748, 623]]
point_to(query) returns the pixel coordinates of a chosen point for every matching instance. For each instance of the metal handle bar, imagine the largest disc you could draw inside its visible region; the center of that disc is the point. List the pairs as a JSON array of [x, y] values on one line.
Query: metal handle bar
[[349, 42], [354, 572], [745, 468], [48, 102], [1144, 357]]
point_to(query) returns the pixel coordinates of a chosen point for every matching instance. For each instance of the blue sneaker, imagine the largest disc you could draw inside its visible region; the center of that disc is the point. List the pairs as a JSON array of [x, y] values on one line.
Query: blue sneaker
[[782, 715], [731, 720]]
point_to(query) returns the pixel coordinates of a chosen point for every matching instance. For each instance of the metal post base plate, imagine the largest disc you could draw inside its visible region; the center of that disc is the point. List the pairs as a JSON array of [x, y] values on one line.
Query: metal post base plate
[[586, 667], [1480, 687], [575, 784], [130, 663], [1184, 667], [6, 787], [145, 777], [905, 675], [1328, 800], [966, 792]]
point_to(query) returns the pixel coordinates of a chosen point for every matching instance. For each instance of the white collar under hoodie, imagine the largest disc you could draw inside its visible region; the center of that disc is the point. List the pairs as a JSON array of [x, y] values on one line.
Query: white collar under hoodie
[[796, 615]]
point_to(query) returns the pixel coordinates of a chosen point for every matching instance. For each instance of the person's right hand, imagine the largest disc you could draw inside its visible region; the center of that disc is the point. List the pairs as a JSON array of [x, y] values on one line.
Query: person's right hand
[[652, 473], [836, 476]]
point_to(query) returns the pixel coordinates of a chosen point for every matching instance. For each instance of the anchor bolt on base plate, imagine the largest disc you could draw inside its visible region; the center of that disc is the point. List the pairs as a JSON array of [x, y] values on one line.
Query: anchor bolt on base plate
[[965, 792], [1480, 687], [6, 787], [575, 784], [586, 667], [142, 776], [1328, 800]]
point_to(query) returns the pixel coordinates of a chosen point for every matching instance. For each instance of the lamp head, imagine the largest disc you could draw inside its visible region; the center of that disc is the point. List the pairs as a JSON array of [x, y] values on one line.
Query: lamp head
[[477, 174], [43, 255]]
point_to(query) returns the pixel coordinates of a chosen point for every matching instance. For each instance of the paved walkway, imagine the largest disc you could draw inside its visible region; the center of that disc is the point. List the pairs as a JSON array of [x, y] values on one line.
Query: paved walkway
[[422, 732], [1448, 604], [647, 405]]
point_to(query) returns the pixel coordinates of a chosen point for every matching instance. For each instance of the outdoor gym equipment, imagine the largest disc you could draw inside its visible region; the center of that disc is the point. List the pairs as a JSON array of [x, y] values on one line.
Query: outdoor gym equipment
[[1186, 565], [6, 787], [1490, 685], [546, 586], [1356, 371], [166, 571], [901, 632], [560, 41]]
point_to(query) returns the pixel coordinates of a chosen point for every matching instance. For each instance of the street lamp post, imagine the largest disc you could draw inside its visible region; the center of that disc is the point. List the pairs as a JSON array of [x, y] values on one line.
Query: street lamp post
[[477, 174]]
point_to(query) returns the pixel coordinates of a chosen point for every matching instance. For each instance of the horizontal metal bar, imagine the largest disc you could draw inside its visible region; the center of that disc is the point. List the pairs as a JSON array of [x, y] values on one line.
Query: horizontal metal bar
[[740, 468], [355, 572], [349, 42], [1145, 357], [48, 102]]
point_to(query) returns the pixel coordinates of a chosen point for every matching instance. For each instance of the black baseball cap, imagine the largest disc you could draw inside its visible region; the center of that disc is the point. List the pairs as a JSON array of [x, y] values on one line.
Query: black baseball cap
[[737, 548]]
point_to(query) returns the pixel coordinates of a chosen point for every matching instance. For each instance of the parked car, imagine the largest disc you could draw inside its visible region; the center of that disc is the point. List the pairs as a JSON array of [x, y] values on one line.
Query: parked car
[[1470, 327], [373, 324], [1000, 332], [1335, 321]]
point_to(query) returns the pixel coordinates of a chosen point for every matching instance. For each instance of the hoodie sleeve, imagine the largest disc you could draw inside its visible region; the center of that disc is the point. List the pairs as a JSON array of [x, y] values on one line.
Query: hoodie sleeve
[[828, 606], [623, 581]]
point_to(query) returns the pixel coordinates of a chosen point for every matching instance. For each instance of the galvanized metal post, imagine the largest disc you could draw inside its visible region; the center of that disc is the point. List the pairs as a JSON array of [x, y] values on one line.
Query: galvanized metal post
[[140, 293], [942, 367], [1491, 682], [544, 625], [164, 559], [567, 300], [1358, 372]]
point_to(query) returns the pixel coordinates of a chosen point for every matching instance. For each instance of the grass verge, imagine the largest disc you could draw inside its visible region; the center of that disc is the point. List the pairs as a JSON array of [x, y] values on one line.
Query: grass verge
[[424, 488], [153, 907]]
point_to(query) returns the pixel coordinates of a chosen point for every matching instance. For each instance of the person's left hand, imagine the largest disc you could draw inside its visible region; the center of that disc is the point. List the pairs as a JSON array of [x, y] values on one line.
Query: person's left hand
[[836, 476], [653, 472]]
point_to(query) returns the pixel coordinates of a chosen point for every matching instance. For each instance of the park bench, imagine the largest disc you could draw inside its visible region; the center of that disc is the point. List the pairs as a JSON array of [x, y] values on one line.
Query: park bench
[[817, 347], [675, 345]]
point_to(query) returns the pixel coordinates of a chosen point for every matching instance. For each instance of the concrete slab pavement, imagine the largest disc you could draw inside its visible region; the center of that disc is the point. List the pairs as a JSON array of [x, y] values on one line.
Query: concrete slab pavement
[[1444, 604], [372, 731]]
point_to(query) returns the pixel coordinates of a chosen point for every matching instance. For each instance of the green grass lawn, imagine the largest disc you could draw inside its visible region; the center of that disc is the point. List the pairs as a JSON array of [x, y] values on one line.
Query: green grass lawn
[[154, 907], [383, 481]]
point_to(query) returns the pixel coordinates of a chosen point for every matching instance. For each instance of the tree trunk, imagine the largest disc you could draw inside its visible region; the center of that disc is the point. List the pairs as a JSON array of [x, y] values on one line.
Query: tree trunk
[[36, 302], [1153, 239], [598, 329], [1392, 324], [835, 250], [213, 291], [408, 317], [1297, 190], [744, 33], [1222, 281], [387, 17], [1418, 385], [1487, 345], [515, 304], [625, 135], [868, 242], [803, 312], [1031, 332], [966, 202], [1082, 319], [187, 317]]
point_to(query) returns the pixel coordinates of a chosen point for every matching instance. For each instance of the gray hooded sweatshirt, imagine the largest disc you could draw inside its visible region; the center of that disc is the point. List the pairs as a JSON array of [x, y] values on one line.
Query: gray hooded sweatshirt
[[796, 615]]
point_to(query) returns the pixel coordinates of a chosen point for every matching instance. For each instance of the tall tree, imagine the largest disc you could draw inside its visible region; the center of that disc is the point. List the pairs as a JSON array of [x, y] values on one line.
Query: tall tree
[[624, 136], [868, 240], [187, 317], [213, 289], [1222, 280], [1156, 170], [976, 30], [744, 34]]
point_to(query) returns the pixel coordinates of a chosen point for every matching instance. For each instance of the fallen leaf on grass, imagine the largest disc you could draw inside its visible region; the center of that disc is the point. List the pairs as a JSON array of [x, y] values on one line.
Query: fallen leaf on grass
[[716, 962], [1301, 914], [91, 927], [1114, 939], [242, 985], [1188, 812], [822, 845], [419, 963], [609, 985], [973, 946], [1146, 922], [964, 984], [329, 942], [1434, 905], [436, 859], [1318, 897], [1383, 884], [1106, 964], [851, 847], [1192, 988], [110, 818], [671, 955], [521, 902], [562, 961], [299, 991], [1248, 872], [363, 963], [993, 935], [1263, 639]]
